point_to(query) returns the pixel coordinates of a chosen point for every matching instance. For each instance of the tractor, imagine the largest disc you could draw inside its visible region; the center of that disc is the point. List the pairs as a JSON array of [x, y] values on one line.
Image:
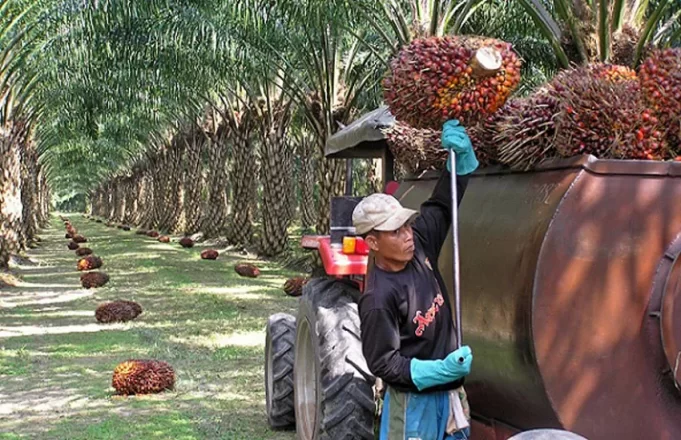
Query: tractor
[[569, 278]]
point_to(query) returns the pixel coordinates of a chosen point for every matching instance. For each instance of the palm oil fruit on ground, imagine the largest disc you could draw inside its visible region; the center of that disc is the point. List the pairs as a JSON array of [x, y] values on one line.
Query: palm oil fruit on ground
[[90, 262], [94, 279], [209, 254], [142, 376], [186, 242], [294, 286], [247, 270], [164, 239], [81, 252], [118, 311]]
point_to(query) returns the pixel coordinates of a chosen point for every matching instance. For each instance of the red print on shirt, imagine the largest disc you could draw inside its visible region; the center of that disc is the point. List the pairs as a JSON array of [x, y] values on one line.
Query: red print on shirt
[[424, 321]]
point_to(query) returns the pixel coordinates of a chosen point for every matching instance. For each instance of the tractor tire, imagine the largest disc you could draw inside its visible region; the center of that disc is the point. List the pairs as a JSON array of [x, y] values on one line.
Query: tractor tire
[[279, 340], [333, 391]]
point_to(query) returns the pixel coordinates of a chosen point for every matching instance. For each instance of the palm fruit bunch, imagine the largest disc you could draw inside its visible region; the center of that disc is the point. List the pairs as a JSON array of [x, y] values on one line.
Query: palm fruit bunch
[[125, 227], [90, 262], [73, 245], [137, 376], [141, 232], [525, 131], [164, 239], [436, 79], [660, 78], [79, 239], [247, 270], [68, 235], [118, 311], [294, 286], [611, 72], [604, 118], [93, 279], [186, 242], [99, 220], [417, 149], [81, 252], [209, 254], [152, 234]]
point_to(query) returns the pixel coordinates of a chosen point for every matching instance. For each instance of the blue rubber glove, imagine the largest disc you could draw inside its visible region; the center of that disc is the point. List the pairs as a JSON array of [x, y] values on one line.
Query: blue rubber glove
[[427, 374], [454, 138]]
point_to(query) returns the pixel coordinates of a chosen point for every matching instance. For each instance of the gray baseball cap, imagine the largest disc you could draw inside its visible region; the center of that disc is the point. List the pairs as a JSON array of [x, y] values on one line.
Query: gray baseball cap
[[380, 212]]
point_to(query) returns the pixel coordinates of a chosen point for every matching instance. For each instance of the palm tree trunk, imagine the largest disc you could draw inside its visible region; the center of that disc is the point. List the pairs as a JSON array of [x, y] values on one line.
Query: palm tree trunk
[[29, 191], [308, 213], [331, 180], [175, 192], [276, 157], [11, 138], [216, 208], [193, 182], [244, 174], [162, 189], [44, 199]]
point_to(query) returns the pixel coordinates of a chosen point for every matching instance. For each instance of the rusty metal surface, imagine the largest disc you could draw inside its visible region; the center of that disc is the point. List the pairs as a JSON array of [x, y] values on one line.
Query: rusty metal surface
[[559, 279], [671, 330]]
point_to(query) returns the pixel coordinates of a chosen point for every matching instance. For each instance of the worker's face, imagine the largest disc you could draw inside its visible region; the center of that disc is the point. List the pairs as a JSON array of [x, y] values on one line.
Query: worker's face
[[395, 245]]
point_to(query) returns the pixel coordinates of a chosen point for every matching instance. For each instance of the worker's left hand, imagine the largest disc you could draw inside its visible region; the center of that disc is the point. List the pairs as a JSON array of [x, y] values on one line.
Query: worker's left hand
[[455, 138]]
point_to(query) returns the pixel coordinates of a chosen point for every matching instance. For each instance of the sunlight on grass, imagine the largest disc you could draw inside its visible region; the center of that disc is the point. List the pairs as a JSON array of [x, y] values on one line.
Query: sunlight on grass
[[47, 297], [46, 314], [26, 330], [217, 340], [242, 291]]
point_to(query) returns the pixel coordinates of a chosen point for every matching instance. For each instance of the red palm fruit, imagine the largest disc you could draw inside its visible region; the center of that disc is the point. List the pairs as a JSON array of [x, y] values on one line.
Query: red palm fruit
[[209, 254], [90, 262], [79, 239], [247, 270], [605, 119], [118, 311], [417, 150], [152, 234], [164, 239], [137, 376], [186, 242], [294, 286], [661, 84], [73, 245], [439, 78], [81, 252], [94, 279]]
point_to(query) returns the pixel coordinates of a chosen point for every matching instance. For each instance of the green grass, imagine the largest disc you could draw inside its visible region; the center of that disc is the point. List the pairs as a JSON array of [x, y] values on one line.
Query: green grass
[[200, 316]]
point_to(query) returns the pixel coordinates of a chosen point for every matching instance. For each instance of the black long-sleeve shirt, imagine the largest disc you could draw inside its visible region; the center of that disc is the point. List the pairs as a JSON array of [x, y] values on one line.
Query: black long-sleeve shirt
[[406, 314]]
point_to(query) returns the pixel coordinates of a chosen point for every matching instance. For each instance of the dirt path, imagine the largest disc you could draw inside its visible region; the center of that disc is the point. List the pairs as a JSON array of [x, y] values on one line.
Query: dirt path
[[200, 316]]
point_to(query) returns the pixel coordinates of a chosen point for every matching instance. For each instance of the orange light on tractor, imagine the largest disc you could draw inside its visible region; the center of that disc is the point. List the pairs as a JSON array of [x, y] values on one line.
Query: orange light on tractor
[[349, 245]]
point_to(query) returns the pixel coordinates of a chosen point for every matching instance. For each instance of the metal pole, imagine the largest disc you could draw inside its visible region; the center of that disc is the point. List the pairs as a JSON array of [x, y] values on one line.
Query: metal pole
[[348, 177], [455, 252]]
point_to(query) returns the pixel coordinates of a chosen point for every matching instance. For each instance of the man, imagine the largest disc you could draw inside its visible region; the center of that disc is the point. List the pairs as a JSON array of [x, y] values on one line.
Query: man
[[408, 336]]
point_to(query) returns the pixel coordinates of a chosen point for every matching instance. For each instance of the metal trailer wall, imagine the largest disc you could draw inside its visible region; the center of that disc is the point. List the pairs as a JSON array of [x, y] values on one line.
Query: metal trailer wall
[[569, 278]]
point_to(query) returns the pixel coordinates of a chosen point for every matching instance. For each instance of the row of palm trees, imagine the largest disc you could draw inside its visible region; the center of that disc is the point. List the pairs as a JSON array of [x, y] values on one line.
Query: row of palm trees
[[190, 115]]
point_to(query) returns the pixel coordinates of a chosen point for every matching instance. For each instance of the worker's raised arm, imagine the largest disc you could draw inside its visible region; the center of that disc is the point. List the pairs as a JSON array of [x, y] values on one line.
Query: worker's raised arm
[[436, 212]]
